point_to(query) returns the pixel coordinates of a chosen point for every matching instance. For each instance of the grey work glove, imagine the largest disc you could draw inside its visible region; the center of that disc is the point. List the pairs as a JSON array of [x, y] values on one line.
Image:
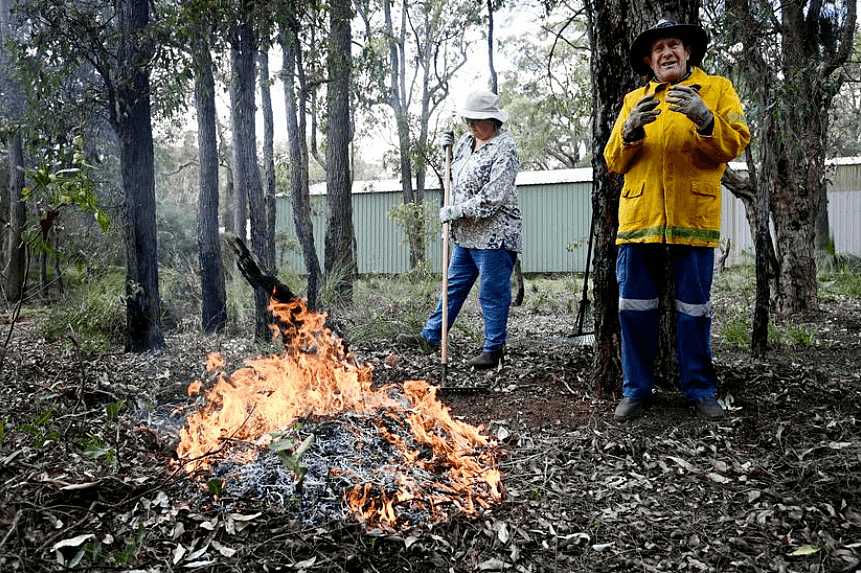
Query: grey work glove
[[644, 112], [450, 213], [446, 139], [686, 100]]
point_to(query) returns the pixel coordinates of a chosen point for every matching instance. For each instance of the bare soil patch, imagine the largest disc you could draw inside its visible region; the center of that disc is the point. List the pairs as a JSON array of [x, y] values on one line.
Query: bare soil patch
[[776, 487]]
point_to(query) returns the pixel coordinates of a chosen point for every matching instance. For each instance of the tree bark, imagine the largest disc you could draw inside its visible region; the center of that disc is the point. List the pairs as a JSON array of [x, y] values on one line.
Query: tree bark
[[213, 290], [292, 68], [494, 82], [143, 306], [609, 31], [268, 156], [396, 100], [815, 44], [246, 168], [340, 237], [16, 252]]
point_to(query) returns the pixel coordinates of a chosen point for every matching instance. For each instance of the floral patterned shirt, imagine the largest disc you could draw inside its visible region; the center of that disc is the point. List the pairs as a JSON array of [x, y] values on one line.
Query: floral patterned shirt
[[483, 183]]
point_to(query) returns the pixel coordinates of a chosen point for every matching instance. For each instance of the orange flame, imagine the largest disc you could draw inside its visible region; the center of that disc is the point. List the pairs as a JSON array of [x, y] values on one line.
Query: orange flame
[[316, 376]]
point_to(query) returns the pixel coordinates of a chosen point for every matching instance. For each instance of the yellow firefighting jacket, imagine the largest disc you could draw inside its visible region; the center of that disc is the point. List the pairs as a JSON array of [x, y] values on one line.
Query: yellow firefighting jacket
[[672, 191]]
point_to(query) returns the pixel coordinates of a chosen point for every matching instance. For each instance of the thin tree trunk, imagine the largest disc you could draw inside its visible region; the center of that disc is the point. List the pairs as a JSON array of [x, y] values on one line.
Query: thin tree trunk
[[247, 171], [212, 282], [397, 94], [268, 157], [16, 251], [340, 241], [298, 152], [494, 82], [137, 164]]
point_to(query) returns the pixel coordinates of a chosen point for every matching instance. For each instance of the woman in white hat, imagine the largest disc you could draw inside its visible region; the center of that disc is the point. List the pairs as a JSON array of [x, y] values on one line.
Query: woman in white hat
[[486, 225]]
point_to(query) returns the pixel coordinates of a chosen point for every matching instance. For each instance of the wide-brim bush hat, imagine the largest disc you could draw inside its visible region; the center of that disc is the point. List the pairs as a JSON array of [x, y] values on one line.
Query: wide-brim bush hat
[[690, 34], [482, 105]]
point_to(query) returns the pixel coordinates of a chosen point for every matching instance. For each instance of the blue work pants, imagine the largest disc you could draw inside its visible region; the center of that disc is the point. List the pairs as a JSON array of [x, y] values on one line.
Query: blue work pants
[[639, 269], [495, 267]]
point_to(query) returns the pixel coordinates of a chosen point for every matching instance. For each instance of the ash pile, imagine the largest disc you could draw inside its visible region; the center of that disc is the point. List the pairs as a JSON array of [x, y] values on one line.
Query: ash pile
[[308, 426], [352, 471]]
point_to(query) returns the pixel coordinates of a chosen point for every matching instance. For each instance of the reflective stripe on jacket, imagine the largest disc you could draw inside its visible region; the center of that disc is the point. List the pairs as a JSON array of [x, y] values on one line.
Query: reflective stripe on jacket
[[672, 191]]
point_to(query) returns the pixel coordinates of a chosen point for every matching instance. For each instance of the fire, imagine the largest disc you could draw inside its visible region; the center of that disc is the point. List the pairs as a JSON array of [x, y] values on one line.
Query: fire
[[315, 376]]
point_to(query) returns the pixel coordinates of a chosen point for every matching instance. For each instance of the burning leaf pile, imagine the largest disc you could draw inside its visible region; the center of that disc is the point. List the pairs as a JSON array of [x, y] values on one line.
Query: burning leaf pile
[[308, 424]]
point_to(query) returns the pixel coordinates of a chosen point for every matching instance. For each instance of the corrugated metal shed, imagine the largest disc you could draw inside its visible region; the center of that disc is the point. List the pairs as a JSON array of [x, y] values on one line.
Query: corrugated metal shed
[[556, 209]]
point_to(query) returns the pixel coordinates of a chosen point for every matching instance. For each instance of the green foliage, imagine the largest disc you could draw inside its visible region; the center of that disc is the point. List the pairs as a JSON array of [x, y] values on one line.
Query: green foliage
[[735, 286], [240, 298], [132, 547], [550, 110], [334, 291], [177, 236], [62, 181], [113, 409], [38, 429], [414, 219], [386, 306], [96, 316], [801, 334], [290, 450], [839, 275], [215, 486], [95, 447]]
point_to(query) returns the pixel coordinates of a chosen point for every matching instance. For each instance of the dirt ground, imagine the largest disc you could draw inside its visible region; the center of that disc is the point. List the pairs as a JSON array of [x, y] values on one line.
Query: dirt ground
[[775, 487]]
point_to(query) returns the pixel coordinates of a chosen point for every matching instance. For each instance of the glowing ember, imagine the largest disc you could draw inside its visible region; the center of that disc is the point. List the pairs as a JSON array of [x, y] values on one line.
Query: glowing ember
[[444, 465]]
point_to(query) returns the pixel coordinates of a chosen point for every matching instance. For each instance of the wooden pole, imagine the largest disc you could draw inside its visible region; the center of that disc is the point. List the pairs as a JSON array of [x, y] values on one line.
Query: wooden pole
[[446, 231]]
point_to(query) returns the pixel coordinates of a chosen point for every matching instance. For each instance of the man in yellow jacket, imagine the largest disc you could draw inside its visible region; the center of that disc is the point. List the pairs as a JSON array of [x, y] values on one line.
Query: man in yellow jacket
[[671, 141]]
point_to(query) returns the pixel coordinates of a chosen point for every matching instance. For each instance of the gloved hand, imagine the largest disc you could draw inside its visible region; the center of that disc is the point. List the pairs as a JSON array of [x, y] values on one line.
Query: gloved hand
[[644, 112], [446, 139], [450, 213], [686, 100]]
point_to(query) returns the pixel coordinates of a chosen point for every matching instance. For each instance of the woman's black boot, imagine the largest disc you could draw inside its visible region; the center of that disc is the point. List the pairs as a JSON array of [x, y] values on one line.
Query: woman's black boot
[[487, 360]]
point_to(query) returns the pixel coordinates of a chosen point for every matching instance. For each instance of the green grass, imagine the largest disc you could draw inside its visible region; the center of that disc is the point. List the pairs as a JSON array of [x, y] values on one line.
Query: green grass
[[734, 291]]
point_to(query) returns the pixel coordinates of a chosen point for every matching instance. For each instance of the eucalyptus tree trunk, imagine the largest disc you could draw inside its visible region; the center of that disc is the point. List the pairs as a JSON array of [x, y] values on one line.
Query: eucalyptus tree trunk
[[16, 252], [609, 33], [754, 190], [268, 155], [246, 169], [213, 290], [397, 101], [292, 69], [494, 83], [340, 237], [791, 92], [137, 165], [12, 209]]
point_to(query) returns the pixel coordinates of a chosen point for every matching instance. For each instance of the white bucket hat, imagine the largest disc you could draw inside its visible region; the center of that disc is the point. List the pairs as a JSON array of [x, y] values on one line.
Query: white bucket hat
[[483, 105]]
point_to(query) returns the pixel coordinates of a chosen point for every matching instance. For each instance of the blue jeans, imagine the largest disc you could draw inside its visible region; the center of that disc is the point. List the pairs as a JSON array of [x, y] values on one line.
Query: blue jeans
[[637, 268], [495, 267]]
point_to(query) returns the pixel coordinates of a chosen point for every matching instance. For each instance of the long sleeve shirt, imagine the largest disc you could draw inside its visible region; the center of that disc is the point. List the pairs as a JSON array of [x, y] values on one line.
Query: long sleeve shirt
[[483, 184]]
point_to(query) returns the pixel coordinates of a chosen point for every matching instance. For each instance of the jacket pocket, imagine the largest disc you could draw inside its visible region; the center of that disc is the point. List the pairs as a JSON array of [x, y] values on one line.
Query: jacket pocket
[[706, 203], [631, 209], [633, 191]]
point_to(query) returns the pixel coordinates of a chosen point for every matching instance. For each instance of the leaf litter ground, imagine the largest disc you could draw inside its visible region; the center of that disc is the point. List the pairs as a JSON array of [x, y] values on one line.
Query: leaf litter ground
[[773, 488]]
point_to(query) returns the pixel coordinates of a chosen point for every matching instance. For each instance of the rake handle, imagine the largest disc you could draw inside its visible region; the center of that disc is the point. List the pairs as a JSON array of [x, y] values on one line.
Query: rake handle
[[446, 230]]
